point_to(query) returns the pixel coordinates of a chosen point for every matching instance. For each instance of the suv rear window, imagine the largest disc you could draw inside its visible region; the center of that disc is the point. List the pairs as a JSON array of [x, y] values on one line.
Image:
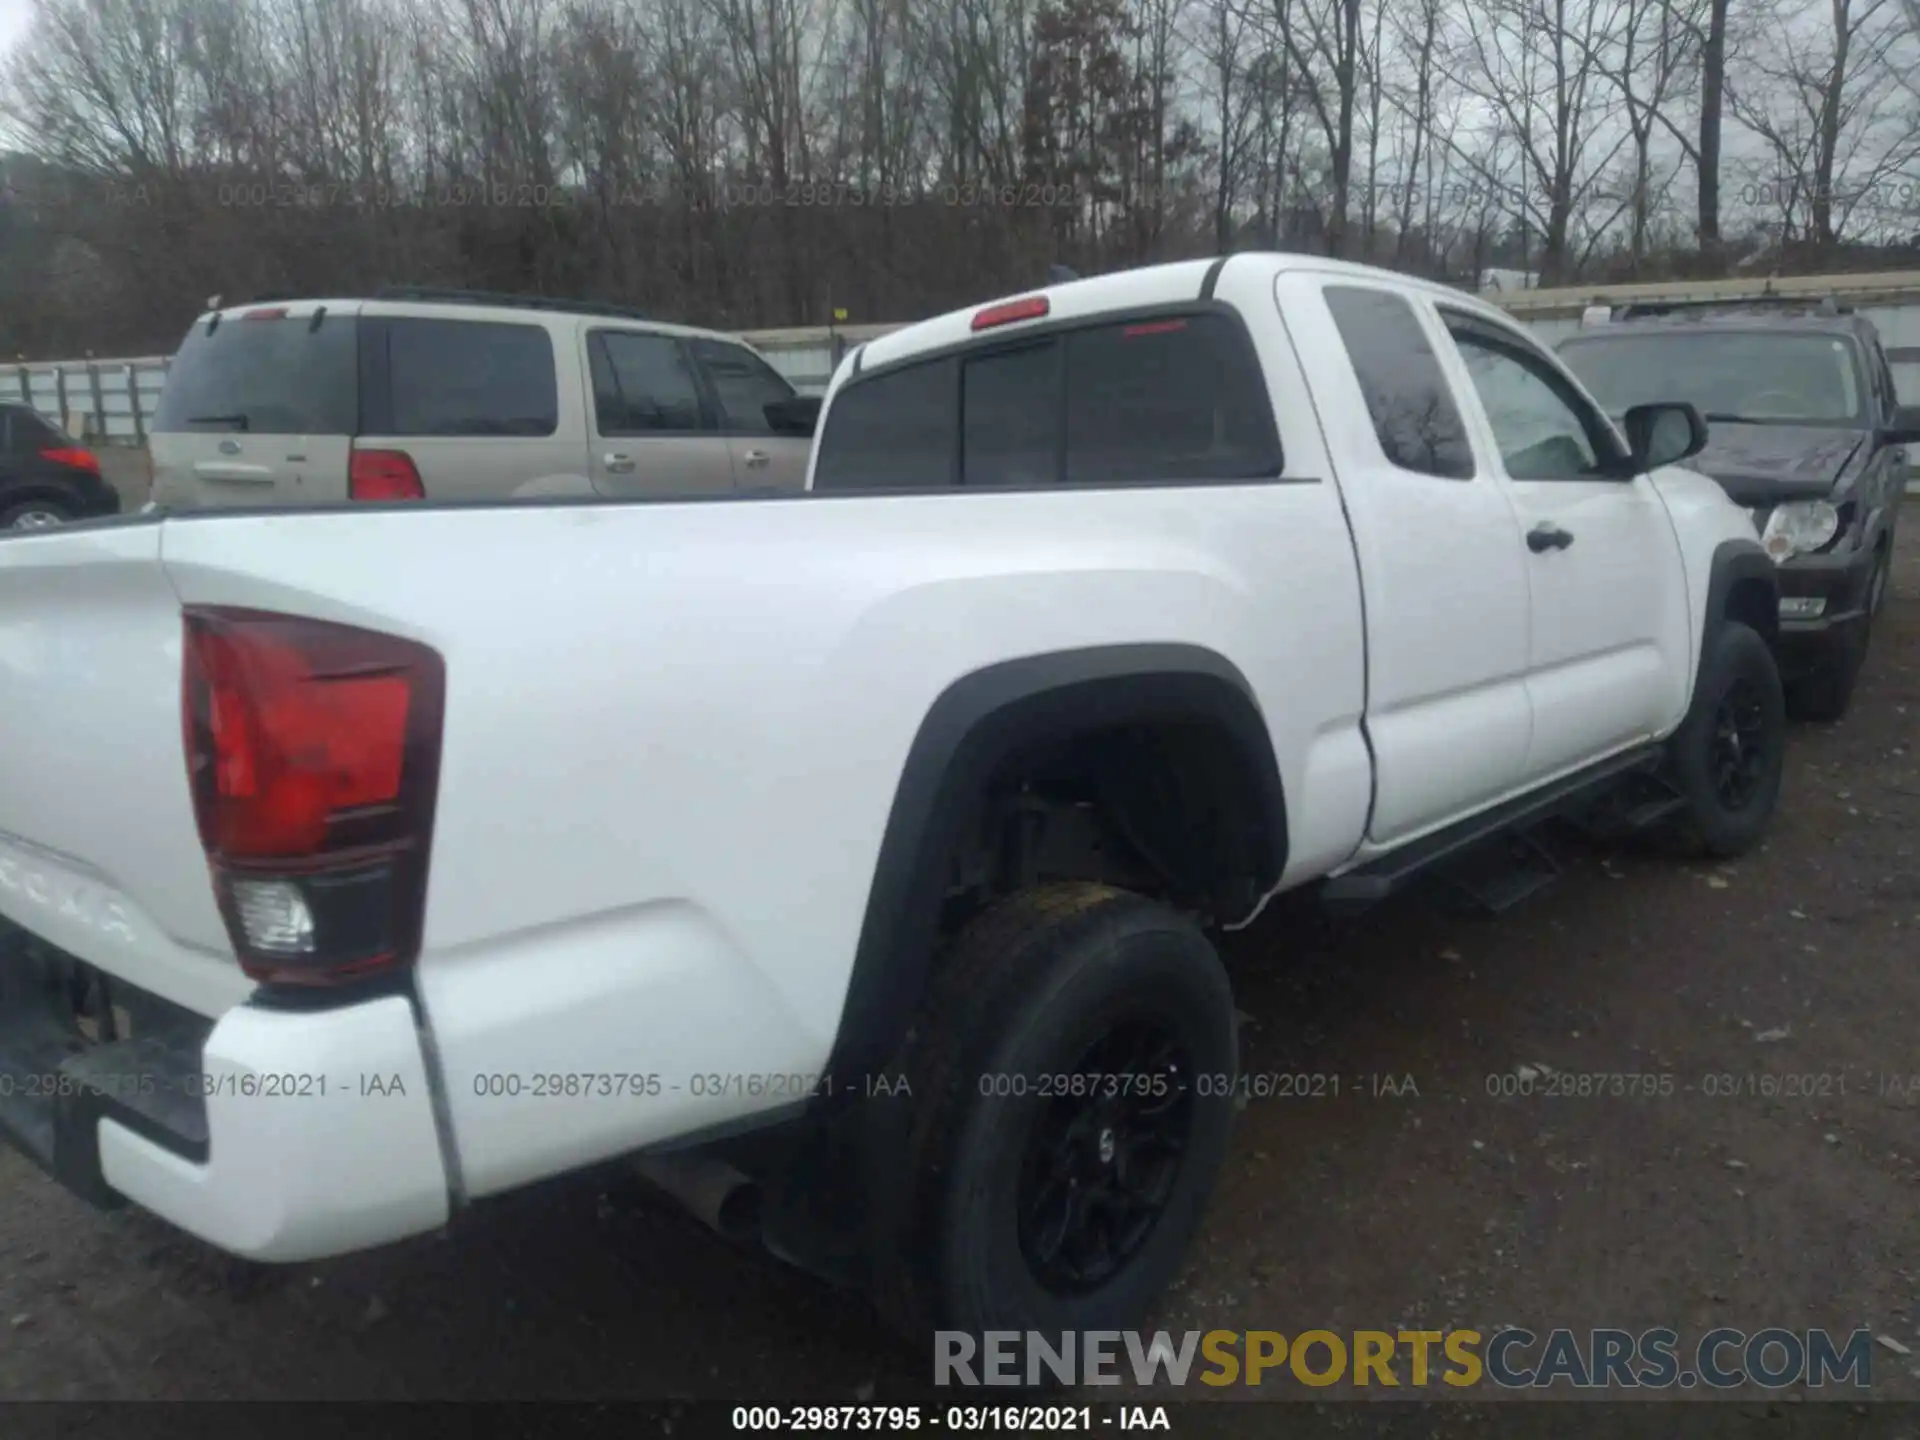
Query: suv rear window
[[1166, 398], [268, 377]]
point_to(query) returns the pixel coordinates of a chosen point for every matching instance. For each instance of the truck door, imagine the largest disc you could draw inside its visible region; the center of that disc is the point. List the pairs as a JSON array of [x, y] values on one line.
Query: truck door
[[1610, 648], [1441, 560]]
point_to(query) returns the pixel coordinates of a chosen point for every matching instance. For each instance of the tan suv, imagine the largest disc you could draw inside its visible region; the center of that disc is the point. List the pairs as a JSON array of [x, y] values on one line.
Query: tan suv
[[461, 396]]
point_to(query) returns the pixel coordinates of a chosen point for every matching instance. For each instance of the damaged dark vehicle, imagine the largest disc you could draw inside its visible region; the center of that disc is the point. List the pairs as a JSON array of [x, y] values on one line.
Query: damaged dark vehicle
[[1805, 430]]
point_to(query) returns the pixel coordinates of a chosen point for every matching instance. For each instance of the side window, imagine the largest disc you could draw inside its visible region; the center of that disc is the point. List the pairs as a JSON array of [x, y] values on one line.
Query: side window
[[643, 384], [1414, 417], [893, 431], [1010, 417], [743, 384], [1177, 399], [470, 377], [1543, 428]]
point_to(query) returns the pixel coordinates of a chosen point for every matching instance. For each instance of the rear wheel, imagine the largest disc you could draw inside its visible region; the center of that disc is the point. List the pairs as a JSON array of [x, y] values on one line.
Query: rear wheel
[[1726, 758], [1072, 1080], [34, 515]]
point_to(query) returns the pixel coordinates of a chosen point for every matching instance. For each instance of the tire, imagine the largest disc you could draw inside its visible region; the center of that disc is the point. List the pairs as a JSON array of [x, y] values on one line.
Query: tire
[[34, 515], [1825, 694], [1738, 691], [1028, 991]]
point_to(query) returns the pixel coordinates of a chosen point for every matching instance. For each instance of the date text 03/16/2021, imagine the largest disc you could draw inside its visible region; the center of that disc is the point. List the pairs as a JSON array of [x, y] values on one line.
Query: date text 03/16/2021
[[960, 1419]]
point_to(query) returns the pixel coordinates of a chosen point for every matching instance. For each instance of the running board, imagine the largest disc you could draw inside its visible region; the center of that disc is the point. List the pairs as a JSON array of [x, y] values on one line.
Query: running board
[[1389, 874], [1496, 875]]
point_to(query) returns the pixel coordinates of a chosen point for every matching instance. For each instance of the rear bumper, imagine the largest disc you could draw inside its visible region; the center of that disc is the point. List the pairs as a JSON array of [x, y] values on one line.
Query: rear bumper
[[271, 1134]]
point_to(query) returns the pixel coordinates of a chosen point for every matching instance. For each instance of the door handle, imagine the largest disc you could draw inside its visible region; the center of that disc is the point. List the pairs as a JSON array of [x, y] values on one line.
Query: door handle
[[618, 464], [1547, 536], [756, 459]]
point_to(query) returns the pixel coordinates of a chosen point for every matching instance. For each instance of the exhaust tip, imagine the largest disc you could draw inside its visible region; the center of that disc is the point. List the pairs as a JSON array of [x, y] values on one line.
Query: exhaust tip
[[712, 1191], [739, 1213]]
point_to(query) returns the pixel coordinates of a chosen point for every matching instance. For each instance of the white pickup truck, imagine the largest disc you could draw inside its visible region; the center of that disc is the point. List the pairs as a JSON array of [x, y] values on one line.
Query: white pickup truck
[[849, 857]]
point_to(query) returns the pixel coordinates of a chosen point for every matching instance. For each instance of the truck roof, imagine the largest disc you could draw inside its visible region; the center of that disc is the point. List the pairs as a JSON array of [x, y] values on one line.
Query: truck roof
[[1145, 287]]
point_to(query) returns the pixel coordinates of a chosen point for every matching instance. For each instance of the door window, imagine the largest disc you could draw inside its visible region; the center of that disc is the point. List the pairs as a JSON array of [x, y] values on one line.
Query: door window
[[1542, 428], [643, 385], [743, 386]]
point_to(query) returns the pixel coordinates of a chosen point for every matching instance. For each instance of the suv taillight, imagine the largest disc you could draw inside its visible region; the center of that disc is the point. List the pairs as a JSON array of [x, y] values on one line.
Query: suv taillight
[[72, 456], [313, 753], [384, 475]]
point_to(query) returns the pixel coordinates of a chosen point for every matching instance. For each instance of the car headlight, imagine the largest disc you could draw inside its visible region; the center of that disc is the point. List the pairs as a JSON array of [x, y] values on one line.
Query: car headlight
[[1799, 527]]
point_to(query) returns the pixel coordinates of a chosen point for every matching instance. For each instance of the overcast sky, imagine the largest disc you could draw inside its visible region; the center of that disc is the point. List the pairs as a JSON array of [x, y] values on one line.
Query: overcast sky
[[13, 19]]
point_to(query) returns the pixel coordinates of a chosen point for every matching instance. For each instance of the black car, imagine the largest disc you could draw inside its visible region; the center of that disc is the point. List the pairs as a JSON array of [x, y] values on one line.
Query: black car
[[1805, 430], [46, 476]]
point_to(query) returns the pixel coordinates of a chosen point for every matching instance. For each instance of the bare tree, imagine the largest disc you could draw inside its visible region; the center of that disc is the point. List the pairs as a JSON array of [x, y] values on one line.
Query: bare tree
[[1535, 63], [1825, 100]]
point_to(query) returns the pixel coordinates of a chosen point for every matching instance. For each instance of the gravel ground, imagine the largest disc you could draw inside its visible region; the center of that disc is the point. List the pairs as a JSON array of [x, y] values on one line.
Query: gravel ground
[[1447, 1206]]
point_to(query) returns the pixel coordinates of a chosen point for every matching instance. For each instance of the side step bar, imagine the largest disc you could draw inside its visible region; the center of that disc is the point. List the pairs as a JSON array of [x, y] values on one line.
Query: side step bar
[[1389, 874]]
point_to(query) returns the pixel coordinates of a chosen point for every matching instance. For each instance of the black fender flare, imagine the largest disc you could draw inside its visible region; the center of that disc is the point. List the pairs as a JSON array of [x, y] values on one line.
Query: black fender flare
[[975, 724], [1736, 562]]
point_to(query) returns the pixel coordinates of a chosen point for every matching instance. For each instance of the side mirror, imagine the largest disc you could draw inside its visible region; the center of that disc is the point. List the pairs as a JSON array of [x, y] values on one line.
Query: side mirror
[[1905, 429], [1664, 434], [797, 415]]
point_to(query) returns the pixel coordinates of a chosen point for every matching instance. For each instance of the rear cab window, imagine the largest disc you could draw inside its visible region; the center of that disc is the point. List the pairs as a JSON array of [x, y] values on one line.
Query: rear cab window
[[1159, 398], [279, 373]]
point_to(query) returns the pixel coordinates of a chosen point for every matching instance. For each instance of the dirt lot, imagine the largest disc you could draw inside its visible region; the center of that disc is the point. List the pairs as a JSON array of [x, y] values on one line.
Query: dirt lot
[[1449, 1207]]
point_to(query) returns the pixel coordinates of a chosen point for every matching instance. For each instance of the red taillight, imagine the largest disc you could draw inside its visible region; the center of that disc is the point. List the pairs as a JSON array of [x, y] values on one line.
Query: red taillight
[[1152, 327], [1009, 311], [384, 475], [72, 456], [280, 314], [312, 753]]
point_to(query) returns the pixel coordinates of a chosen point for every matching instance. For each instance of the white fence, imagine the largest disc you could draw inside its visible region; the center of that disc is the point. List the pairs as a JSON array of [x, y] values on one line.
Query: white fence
[[107, 402]]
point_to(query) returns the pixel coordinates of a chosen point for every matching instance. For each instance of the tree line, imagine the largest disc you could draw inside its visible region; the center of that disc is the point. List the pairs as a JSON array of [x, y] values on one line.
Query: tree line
[[752, 163]]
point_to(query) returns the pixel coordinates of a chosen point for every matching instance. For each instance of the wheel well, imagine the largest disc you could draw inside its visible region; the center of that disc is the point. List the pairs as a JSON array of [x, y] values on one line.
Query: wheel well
[[1754, 605], [1150, 767], [37, 491], [1173, 808]]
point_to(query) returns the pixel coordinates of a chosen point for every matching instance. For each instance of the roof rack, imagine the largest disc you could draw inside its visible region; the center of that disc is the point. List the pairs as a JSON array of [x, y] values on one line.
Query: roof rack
[[433, 295], [1807, 304]]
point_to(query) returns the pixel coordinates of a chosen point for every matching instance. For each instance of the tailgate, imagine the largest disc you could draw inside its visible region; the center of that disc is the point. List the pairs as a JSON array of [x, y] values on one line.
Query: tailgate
[[260, 408], [99, 851]]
